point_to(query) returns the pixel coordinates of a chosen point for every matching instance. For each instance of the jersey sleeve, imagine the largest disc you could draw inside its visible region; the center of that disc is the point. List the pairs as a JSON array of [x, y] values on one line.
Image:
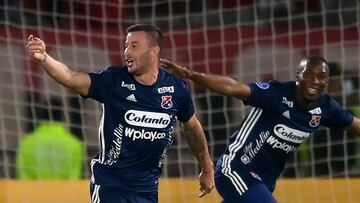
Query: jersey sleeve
[[100, 85], [338, 117], [186, 107], [262, 94]]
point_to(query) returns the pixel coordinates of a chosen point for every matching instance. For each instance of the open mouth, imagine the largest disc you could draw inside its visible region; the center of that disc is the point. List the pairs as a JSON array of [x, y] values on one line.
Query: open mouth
[[129, 62], [312, 91]]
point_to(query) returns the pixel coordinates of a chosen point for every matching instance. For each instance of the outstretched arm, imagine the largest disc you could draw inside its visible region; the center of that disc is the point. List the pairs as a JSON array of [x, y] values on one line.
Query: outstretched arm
[[77, 81], [221, 84], [196, 140]]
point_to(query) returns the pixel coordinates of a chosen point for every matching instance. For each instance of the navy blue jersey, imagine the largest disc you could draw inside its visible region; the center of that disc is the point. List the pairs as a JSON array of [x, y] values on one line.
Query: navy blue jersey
[[136, 127], [275, 126]]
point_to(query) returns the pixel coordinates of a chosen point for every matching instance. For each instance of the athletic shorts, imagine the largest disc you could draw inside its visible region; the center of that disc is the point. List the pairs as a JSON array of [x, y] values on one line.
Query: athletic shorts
[[106, 194], [242, 186]]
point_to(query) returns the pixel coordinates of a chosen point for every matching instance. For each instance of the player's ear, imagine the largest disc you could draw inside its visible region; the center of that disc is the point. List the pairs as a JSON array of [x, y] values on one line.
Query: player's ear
[[156, 50], [297, 75], [327, 83]]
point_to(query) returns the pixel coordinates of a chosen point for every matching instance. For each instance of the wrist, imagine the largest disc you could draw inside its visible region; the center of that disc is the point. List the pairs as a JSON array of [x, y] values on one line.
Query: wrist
[[43, 61], [186, 73], [209, 168], [207, 171], [190, 74], [193, 75]]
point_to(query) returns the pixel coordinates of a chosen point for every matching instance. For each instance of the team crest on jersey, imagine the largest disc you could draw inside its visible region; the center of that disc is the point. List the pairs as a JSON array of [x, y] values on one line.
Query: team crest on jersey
[[315, 121], [263, 85], [166, 102]]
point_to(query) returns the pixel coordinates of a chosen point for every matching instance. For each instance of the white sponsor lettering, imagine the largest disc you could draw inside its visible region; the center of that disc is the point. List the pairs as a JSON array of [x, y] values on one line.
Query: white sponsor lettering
[[144, 135], [162, 90], [275, 143], [250, 151], [170, 140], [315, 111], [129, 86], [289, 134], [114, 152], [287, 102], [147, 119]]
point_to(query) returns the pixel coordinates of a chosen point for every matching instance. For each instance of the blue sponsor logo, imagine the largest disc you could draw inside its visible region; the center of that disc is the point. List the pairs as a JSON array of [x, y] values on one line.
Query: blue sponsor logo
[[263, 85]]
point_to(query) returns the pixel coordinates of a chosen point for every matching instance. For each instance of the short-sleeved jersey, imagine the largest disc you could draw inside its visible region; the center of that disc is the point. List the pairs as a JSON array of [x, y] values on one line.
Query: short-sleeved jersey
[[136, 126], [275, 126]]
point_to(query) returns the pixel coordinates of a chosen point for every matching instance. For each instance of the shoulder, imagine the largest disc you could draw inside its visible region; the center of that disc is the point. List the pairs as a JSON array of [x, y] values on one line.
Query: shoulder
[[29, 138], [116, 70], [179, 88], [268, 94], [283, 85], [329, 106], [111, 70], [172, 79], [327, 101], [273, 85]]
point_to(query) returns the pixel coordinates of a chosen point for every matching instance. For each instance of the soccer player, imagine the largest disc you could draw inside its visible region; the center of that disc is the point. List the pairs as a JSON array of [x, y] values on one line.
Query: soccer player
[[141, 103], [283, 115]]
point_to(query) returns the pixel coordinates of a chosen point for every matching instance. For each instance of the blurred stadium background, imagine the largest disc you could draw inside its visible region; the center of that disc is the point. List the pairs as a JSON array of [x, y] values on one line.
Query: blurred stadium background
[[250, 40]]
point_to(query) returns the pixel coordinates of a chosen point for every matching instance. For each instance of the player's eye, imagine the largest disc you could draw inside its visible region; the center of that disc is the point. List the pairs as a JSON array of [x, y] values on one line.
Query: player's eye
[[323, 78], [308, 75]]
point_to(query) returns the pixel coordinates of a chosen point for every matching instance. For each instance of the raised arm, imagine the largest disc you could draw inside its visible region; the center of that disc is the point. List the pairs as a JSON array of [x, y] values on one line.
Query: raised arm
[[77, 81], [196, 140], [221, 84]]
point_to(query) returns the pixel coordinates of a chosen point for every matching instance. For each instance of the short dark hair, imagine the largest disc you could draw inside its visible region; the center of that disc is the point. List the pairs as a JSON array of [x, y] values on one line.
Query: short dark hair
[[305, 62], [154, 33]]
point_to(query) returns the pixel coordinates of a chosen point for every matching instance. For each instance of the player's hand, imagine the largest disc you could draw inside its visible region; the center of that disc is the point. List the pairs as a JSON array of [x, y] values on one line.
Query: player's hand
[[179, 71], [36, 48], [206, 182]]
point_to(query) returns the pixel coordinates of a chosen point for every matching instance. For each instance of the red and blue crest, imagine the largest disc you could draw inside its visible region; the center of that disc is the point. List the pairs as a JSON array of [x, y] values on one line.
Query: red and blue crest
[[166, 102], [315, 121]]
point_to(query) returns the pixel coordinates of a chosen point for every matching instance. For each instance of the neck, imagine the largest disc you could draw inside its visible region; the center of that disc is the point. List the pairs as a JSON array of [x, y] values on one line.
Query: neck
[[148, 78], [302, 101]]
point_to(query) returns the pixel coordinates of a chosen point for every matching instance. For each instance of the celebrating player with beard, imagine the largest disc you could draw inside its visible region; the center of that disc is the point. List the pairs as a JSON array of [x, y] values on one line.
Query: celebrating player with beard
[[140, 104]]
